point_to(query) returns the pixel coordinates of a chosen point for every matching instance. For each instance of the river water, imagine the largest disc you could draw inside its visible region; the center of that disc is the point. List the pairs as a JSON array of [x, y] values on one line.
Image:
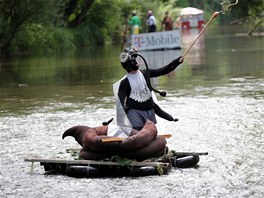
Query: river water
[[217, 94]]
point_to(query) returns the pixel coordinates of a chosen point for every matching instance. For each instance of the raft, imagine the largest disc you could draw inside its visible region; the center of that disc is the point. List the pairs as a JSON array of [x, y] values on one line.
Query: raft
[[118, 168], [140, 145], [143, 153]]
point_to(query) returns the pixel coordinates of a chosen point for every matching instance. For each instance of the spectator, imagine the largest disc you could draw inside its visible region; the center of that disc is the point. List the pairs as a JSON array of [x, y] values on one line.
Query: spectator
[[167, 22], [135, 23], [151, 22]]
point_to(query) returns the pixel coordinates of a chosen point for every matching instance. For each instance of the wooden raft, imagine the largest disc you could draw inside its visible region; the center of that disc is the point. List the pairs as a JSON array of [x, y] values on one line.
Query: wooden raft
[[92, 162]]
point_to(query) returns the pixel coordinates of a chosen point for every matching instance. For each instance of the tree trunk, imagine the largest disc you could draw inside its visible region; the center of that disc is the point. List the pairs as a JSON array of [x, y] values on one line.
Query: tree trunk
[[70, 9], [80, 17]]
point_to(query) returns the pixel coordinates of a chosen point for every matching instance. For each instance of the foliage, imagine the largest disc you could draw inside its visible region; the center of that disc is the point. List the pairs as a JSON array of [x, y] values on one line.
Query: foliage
[[15, 14], [36, 38], [48, 25], [75, 12], [121, 160], [102, 25]]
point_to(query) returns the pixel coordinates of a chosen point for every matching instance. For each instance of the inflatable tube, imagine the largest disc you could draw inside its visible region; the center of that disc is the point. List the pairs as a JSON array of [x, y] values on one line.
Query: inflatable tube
[[155, 149], [79, 171], [90, 138], [145, 171], [140, 146], [185, 161], [93, 142], [82, 171], [141, 139], [77, 132]]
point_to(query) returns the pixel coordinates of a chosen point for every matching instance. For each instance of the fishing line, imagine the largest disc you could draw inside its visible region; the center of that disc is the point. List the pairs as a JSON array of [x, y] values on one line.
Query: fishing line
[[227, 7], [216, 14]]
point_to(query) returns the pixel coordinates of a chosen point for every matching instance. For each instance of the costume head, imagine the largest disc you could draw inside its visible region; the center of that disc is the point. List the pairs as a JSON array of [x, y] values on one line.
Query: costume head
[[128, 60]]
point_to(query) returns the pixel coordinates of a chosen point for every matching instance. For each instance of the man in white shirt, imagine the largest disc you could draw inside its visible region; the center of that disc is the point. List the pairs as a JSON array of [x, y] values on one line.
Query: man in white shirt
[[151, 21]]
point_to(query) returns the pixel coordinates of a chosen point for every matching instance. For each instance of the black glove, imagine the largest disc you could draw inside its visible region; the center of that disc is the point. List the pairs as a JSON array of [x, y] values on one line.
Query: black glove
[[175, 119], [176, 61]]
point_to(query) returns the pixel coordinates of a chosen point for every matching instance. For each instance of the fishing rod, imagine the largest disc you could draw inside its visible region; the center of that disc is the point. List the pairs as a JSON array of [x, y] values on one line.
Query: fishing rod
[[215, 14]]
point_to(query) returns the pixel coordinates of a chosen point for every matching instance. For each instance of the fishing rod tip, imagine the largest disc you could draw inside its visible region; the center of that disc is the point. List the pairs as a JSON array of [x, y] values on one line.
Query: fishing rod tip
[[216, 14]]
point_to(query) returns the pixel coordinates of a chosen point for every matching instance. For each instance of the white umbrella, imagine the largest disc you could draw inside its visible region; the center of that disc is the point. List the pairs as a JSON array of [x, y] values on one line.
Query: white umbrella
[[190, 11]]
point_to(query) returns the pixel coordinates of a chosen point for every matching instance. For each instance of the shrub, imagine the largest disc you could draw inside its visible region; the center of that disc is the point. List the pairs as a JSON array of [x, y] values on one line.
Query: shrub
[[36, 38]]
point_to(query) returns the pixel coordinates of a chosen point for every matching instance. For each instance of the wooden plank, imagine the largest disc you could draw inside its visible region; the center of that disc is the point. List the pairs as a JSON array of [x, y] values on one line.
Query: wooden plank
[[117, 139], [166, 135], [113, 139], [91, 162], [175, 153]]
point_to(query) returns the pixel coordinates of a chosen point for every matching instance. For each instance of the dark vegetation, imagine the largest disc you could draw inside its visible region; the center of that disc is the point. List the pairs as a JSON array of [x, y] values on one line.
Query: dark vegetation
[[42, 26]]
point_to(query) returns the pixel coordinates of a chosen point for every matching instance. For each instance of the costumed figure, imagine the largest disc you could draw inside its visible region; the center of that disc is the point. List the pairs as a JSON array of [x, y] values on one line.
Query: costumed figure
[[135, 100]]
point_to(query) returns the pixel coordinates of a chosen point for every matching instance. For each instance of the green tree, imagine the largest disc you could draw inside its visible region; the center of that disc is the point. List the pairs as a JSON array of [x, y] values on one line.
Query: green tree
[[58, 25], [15, 14]]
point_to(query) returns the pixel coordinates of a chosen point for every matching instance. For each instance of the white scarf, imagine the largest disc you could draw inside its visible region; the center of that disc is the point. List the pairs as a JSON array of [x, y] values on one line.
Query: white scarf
[[139, 88]]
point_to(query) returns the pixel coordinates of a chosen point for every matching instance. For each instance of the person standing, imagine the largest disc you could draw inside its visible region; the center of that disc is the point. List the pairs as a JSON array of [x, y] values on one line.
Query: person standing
[[167, 22], [151, 22], [135, 23]]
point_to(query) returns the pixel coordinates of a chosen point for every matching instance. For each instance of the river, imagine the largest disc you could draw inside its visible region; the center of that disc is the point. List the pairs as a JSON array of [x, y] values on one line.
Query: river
[[217, 94]]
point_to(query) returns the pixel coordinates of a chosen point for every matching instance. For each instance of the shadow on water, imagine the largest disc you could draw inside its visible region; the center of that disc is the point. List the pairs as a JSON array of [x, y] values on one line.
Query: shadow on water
[[217, 94]]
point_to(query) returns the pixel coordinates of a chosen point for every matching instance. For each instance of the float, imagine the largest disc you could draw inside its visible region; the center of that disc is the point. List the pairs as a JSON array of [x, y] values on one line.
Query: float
[[142, 154]]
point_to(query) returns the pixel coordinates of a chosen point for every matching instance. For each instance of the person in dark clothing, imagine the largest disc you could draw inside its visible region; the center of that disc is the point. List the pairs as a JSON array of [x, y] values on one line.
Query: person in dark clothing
[[167, 22], [135, 91]]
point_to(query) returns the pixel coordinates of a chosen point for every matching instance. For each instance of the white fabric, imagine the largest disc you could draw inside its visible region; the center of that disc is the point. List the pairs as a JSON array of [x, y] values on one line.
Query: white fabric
[[139, 88], [151, 20], [120, 126]]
